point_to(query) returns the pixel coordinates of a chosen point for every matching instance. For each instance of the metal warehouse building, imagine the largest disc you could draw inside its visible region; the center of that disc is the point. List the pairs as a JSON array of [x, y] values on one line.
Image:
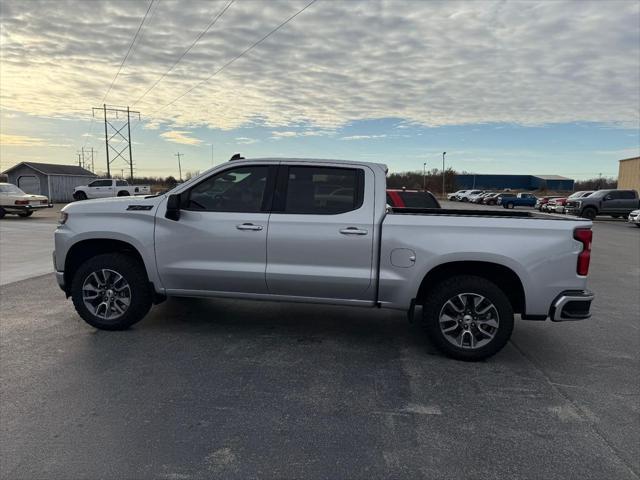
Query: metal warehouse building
[[54, 181], [515, 182], [629, 173]]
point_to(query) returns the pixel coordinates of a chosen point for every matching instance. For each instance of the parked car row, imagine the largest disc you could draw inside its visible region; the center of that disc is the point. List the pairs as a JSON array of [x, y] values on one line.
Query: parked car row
[[587, 204], [506, 198]]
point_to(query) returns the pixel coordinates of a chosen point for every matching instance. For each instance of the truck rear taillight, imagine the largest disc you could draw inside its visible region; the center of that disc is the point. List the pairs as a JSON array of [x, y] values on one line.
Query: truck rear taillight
[[22, 202], [584, 236]]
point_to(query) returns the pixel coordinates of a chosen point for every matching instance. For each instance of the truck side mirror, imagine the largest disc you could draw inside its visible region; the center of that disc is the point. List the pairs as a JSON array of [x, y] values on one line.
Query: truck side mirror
[[173, 207], [608, 197]]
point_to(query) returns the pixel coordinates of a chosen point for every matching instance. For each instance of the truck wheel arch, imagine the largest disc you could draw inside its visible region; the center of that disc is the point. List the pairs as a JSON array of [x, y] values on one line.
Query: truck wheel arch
[[504, 277], [83, 250]]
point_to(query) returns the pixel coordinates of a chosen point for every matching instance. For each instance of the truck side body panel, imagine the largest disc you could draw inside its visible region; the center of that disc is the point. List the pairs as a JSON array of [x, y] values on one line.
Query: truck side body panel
[[541, 252]]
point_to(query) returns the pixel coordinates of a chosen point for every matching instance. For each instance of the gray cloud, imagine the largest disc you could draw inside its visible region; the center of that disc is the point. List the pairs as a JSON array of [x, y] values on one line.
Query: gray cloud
[[432, 63]]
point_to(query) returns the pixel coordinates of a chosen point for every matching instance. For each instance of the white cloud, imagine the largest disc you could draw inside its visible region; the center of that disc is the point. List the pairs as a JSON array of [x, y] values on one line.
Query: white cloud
[[430, 63], [301, 133], [363, 137], [7, 140], [246, 140], [180, 136]]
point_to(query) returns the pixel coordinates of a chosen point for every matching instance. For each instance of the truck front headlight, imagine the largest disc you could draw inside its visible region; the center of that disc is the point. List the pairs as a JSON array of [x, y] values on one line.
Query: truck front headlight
[[62, 219]]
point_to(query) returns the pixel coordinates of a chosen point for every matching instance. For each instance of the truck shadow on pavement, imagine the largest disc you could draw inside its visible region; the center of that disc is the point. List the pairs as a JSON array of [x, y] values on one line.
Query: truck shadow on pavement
[[293, 322]]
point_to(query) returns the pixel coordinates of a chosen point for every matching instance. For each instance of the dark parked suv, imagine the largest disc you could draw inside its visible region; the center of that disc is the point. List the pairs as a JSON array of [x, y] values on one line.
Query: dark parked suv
[[616, 203]]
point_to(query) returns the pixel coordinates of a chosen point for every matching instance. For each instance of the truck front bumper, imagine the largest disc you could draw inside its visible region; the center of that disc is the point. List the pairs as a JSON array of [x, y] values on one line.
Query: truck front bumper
[[571, 305]]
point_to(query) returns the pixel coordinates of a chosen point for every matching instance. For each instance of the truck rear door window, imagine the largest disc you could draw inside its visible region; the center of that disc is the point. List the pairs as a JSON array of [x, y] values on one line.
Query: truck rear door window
[[323, 190]]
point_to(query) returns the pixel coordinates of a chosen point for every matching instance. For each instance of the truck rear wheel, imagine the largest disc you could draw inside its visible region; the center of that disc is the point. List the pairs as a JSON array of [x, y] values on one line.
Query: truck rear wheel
[[468, 317], [111, 291], [123, 193]]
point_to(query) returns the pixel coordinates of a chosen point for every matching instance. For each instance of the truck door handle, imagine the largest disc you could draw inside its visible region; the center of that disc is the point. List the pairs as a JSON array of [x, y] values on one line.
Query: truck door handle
[[249, 226], [353, 231]]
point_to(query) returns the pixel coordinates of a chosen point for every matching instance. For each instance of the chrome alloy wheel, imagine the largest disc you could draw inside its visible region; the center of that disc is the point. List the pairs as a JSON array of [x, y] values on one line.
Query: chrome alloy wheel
[[106, 294], [469, 320]]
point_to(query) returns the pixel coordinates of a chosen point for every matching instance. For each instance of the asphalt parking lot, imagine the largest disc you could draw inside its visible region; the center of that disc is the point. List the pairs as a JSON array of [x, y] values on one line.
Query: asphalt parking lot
[[231, 389]]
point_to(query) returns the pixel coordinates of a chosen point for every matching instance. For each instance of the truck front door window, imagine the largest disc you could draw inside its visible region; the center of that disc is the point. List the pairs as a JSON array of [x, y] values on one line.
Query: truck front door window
[[237, 190]]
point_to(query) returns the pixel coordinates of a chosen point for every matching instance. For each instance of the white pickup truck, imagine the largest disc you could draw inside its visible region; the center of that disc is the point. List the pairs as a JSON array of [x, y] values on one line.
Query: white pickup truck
[[109, 187], [321, 231]]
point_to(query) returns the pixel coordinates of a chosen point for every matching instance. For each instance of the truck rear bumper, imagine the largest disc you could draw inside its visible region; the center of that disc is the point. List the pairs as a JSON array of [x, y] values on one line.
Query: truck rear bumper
[[571, 305]]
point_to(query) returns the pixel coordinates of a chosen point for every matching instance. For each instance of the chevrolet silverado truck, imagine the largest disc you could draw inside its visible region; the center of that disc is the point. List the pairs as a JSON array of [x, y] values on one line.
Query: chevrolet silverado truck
[[109, 187], [616, 203], [320, 231]]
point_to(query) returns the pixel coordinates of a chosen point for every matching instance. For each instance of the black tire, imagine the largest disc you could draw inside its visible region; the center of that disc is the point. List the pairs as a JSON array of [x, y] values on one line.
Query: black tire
[[123, 193], [464, 199], [80, 196], [469, 284], [589, 213], [132, 272], [3, 212], [25, 214]]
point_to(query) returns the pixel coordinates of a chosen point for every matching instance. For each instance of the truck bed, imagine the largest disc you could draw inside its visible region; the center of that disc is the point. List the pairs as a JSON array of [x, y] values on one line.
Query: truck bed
[[460, 212]]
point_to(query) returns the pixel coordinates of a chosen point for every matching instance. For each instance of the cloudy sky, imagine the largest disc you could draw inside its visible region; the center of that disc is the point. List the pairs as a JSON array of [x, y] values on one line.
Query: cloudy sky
[[503, 86]]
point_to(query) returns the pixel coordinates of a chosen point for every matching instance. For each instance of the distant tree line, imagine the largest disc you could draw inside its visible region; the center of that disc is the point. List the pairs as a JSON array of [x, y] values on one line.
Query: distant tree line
[[597, 183], [415, 180]]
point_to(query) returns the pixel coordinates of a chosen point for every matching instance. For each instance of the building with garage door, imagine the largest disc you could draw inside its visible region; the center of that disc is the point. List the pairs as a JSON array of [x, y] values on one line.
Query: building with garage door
[[54, 181], [629, 174]]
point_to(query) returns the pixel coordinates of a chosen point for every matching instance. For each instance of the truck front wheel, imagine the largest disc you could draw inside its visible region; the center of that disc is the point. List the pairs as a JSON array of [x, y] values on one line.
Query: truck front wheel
[[111, 291], [468, 317], [589, 213], [80, 196]]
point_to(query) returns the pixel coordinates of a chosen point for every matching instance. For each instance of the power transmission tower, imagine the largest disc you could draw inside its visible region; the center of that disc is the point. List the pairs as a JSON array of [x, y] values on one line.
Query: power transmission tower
[[114, 138], [179, 166], [93, 167]]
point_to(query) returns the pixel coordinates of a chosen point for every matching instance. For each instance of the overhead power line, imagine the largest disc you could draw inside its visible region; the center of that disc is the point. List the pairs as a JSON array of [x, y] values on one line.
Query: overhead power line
[[193, 44], [128, 51], [244, 52]]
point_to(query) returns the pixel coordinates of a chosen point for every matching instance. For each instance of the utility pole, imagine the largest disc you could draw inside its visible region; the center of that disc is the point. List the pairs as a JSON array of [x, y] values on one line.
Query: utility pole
[[93, 168], [179, 166], [79, 160], [116, 127], [424, 176], [212, 154], [444, 194]]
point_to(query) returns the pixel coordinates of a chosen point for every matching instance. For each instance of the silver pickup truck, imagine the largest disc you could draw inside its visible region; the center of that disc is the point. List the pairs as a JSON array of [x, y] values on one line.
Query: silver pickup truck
[[320, 231]]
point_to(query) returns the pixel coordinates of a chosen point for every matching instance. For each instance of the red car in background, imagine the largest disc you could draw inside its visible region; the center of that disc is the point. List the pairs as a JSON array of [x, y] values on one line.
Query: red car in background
[[411, 199], [541, 204]]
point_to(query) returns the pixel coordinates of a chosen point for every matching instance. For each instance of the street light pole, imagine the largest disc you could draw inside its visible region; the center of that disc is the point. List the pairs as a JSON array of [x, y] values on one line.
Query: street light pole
[[443, 188], [424, 176]]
